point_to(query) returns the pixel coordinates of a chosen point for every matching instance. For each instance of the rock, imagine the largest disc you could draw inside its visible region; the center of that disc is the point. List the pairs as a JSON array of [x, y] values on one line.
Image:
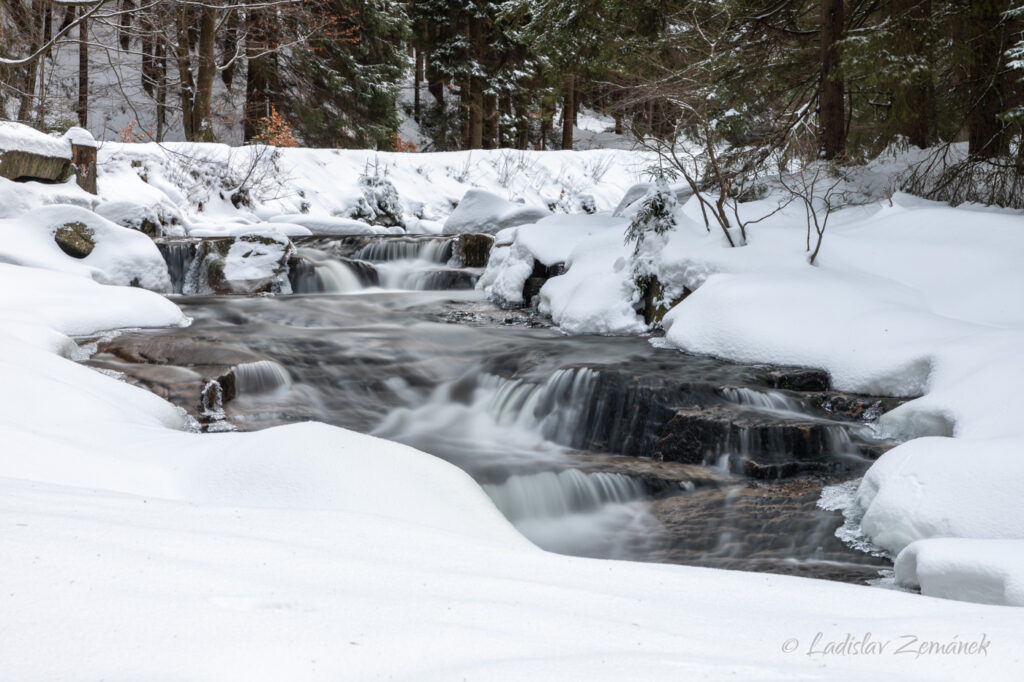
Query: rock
[[541, 274], [775, 446], [251, 263], [853, 407], [799, 379], [75, 239], [152, 220], [472, 250], [19, 165], [483, 212]]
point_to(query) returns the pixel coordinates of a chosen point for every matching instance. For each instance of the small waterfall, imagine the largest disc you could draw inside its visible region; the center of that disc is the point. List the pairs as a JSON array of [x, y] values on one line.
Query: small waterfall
[[179, 257], [334, 278], [571, 512], [416, 275], [262, 376], [555, 409], [551, 495], [316, 272], [766, 400], [387, 250]]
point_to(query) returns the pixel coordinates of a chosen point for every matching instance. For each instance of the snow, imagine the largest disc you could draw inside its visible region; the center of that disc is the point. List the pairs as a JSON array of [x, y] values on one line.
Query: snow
[[121, 256], [981, 571], [257, 255], [20, 137], [139, 549], [481, 211], [80, 136]]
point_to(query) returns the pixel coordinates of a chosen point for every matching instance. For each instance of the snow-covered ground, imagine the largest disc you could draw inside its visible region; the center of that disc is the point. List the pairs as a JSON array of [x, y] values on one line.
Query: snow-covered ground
[[137, 549]]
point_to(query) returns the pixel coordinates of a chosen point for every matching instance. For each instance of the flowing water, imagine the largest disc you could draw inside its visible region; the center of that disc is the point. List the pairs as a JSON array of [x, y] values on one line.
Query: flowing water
[[596, 446]]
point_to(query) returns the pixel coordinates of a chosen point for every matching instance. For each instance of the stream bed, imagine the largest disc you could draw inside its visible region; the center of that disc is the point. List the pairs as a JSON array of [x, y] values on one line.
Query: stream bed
[[593, 446]]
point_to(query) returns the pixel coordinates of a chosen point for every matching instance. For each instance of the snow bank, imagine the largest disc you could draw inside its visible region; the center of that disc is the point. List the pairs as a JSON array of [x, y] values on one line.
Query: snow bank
[[595, 295], [884, 314], [119, 255], [216, 186], [980, 571], [483, 212], [944, 487]]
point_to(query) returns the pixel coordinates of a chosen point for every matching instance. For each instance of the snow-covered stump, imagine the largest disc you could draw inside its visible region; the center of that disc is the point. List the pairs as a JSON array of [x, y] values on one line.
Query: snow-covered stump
[[83, 158]]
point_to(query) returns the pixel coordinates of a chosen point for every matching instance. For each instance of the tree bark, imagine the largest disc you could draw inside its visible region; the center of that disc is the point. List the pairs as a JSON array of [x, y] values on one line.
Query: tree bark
[[417, 110], [83, 74], [207, 70], [832, 131], [568, 112]]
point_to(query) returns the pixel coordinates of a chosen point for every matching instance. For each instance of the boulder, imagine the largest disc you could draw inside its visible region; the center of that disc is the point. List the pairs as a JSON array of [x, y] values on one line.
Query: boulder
[[75, 239], [472, 250], [483, 212]]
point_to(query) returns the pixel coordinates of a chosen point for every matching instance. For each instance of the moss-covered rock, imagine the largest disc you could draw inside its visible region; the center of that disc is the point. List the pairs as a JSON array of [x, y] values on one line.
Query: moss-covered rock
[[75, 239]]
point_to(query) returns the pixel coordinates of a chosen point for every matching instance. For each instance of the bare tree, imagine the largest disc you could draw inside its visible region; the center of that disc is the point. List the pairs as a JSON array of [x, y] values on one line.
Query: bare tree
[[818, 187]]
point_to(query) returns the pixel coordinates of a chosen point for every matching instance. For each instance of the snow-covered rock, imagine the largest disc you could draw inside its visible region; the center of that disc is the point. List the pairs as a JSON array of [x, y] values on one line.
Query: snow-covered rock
[[22, 138], [118, 255], [944, 487], [981, 571], [481, 211]]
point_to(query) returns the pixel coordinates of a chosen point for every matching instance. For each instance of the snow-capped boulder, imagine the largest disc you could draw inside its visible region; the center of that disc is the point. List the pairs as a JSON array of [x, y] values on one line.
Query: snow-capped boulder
[[162, 220], [483, 212], [982, 571], [634, 196], [250, 263], [75, 240]]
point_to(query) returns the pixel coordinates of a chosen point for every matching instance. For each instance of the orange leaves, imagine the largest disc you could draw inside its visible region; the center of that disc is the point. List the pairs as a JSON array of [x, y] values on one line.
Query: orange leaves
[[275, 131]]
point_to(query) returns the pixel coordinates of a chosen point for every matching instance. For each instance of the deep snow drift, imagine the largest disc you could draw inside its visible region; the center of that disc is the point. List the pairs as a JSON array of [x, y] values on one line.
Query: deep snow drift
[[138, 549]]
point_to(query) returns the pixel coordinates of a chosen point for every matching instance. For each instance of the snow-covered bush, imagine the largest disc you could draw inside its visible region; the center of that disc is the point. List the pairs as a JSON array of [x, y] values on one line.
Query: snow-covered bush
[[380, 204], [656, 215]]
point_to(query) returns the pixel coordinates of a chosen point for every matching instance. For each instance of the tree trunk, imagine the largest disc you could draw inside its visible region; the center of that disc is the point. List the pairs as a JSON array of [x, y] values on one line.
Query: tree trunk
[[187, 87], [160, 59], [32, 70], [202, 125], [914, 110], [261, 77], [985, 44], [83, 74], [490, 122], [832, 132], [417, 106], [568, 112]]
